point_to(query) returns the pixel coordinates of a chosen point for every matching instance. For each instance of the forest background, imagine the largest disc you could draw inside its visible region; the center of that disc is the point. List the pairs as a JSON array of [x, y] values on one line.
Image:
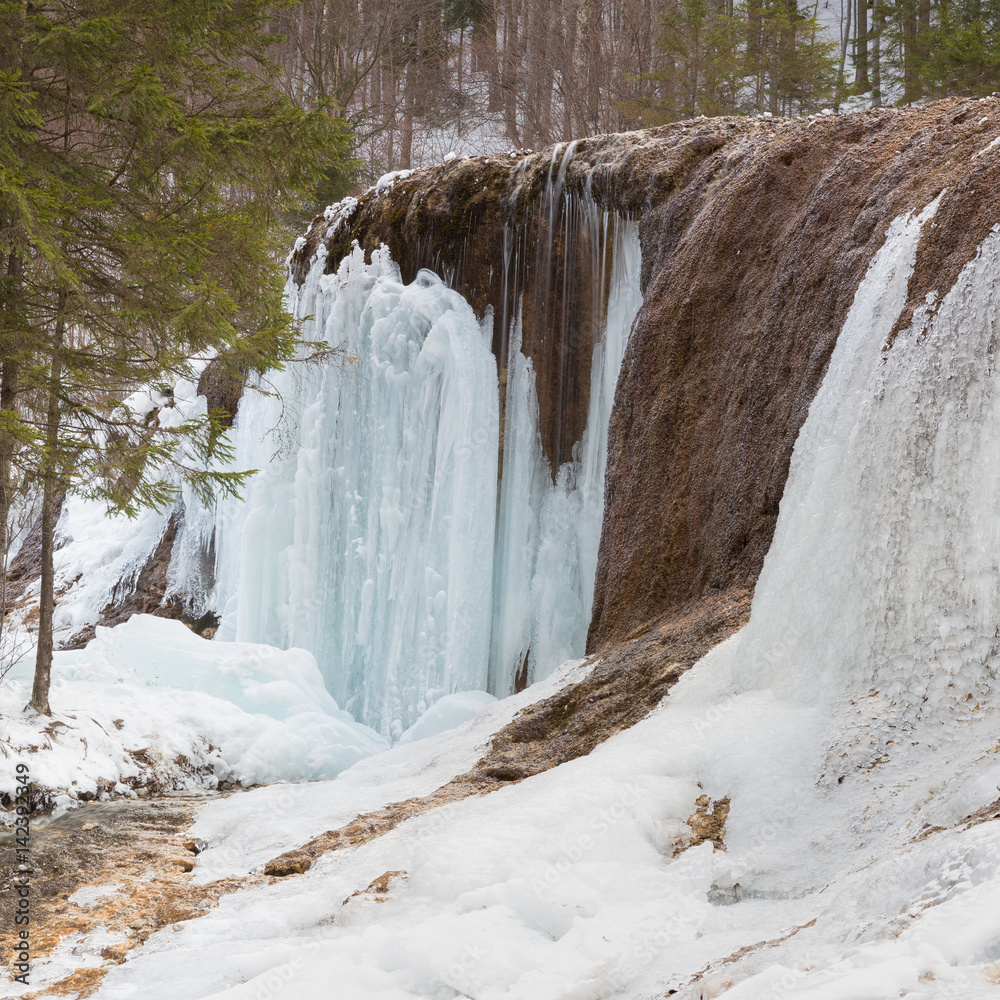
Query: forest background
[[416, 79]]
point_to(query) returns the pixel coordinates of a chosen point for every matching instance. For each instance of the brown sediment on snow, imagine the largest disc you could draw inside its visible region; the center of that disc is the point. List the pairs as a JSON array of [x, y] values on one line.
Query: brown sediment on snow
[[621, 689], [986, 814], [737, 956], [134, 859], [708, 823]]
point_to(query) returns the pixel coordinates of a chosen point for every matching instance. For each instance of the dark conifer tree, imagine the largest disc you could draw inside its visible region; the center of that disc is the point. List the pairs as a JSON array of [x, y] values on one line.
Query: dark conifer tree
[[146, 160]]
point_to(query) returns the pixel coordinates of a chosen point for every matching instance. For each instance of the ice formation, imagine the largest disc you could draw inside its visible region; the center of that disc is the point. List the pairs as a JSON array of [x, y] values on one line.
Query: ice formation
[[150, 691], [364, 536], [549, 524], [376, 534]]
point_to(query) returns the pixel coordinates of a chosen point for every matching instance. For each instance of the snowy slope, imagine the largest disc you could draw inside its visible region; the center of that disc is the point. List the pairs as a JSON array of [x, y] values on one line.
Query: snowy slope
[[149, 703]]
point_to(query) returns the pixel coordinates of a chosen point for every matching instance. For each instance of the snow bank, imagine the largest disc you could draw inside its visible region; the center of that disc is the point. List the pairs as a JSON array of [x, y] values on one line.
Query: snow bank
[[151, 702]]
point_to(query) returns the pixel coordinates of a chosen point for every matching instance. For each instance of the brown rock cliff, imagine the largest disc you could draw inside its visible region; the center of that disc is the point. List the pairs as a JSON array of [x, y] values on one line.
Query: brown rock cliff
[[755, 234]]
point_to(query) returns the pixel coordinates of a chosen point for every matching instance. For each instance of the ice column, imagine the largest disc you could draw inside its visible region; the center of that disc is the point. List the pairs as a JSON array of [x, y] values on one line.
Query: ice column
[[549, 521], [367, 535], [375, 533]]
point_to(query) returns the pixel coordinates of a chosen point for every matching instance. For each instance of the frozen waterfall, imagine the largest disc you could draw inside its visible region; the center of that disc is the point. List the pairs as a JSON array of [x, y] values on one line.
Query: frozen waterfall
[[379, 532], [883, 574]]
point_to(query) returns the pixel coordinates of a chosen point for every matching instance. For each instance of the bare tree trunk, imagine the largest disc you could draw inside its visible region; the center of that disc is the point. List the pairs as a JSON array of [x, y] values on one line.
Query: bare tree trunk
[[509, 71], [389, 119], [571, 82], [8, 394], [878, 19], [592, 61], [911, 86], [9, 384], [486, 40], [922, 52], [406, 139], [861, 84], [844, 39], [459, 83], [50, 480]]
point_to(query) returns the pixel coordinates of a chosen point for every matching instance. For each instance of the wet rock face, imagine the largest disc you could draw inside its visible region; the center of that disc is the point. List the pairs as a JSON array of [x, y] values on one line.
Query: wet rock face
[[500, 231], [222, 383], [491, 235], [755, 234], [753, 266]]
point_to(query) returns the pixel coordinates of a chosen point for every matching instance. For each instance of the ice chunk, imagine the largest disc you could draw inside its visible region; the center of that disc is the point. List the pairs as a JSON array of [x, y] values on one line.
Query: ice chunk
[[448, 713]]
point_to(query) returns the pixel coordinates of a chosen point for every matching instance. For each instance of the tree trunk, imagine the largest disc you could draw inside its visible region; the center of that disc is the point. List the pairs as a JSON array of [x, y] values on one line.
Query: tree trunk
[[876, 54], [485, 39], [9, 379], [861, 84], [844, 39], [911, 85], [406, 139], [50, 481], [509, 73]]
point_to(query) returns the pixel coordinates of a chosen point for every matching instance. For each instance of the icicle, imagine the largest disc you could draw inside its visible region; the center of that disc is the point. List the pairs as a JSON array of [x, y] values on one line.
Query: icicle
[[367, 537], [549, 526], [376, 534]]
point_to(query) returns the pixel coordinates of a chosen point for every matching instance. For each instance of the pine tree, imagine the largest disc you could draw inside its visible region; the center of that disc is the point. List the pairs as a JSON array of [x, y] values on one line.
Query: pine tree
[[730, 58], [961, 49], [702, 46], [788, 61], [146, 159], [940, 49]]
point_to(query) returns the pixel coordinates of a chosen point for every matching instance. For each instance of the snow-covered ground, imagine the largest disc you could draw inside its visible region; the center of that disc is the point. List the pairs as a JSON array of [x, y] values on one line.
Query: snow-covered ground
[[566, 885], [151, 703]]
